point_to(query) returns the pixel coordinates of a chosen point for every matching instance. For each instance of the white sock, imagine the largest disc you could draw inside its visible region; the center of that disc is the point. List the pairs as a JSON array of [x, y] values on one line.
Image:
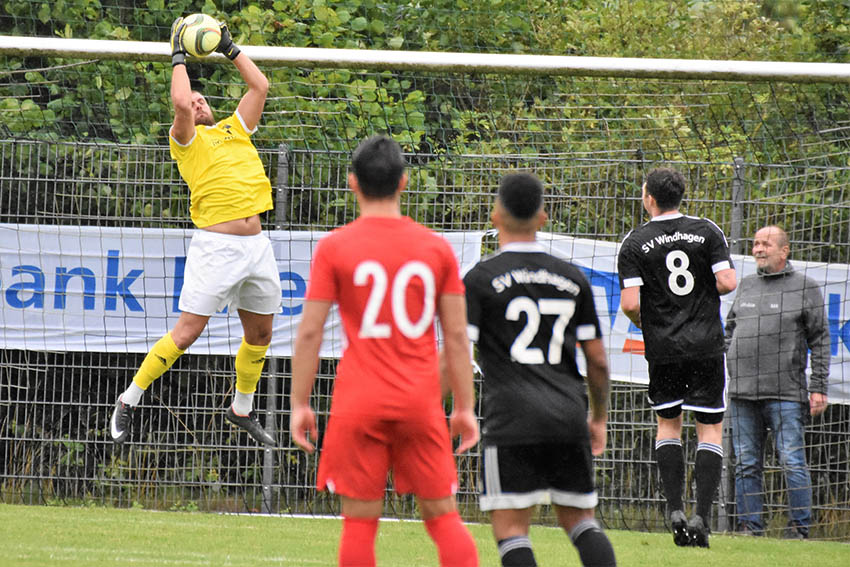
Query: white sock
[[242, 403], [132, 395]]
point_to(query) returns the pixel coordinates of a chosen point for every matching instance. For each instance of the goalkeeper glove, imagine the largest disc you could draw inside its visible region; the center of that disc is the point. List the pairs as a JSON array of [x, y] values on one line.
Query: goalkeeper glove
[[226, 45], [178, 52]]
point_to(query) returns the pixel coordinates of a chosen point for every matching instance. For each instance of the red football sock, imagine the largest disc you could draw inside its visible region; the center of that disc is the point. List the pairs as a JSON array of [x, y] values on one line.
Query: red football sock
[[454, 542], [357, 544]]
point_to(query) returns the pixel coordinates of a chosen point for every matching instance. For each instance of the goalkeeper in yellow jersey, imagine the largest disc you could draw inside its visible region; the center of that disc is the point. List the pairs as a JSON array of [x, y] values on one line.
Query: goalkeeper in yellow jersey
[[229, 261]]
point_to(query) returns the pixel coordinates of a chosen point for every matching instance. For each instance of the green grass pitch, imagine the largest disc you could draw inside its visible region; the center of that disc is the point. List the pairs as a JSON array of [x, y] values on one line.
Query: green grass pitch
[[41, 536]]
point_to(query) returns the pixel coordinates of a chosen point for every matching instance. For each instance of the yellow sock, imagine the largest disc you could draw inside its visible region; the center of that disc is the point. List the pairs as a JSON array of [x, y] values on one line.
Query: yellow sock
[[159, 359], [249, 366]]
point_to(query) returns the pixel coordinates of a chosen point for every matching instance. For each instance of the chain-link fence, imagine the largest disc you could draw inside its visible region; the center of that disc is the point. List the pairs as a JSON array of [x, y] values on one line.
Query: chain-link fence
[[54, 406]]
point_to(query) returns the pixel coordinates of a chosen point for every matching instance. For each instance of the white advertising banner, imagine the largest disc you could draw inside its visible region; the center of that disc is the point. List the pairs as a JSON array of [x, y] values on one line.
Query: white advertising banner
[[624, 341], [66, 288]]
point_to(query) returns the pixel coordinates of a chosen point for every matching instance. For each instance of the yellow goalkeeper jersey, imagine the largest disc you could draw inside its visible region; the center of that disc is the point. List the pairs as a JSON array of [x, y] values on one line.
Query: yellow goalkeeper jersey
[[224, 173]]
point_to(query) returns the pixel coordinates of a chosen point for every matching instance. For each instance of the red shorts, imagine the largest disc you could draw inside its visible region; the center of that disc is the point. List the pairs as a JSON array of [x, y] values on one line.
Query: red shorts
[[358, 452]]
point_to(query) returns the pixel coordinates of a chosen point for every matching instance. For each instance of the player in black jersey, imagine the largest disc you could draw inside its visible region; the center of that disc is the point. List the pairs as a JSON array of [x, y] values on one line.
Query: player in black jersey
[[527, 309], [673, 270]]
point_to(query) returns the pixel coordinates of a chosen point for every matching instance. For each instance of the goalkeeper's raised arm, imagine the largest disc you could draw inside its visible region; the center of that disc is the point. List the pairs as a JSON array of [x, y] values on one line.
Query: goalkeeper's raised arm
[[252, 103], [191, 108]]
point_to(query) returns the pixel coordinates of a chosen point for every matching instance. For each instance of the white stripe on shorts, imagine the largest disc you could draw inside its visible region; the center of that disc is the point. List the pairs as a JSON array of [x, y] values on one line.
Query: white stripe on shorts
[[522, 500], [492, 485]]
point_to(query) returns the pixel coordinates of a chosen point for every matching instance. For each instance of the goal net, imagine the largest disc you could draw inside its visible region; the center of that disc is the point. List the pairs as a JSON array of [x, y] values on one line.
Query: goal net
[[94, 222]]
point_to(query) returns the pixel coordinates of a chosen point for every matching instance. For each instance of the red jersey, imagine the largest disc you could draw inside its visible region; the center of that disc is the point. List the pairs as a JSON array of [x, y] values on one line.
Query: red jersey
[[386, 275]]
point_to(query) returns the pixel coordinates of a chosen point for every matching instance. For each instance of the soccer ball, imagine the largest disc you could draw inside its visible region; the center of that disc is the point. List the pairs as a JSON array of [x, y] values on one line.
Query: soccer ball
[[201, 34]]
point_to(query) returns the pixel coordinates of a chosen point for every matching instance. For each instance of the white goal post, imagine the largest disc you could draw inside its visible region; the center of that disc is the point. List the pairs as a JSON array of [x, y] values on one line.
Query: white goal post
[[720, 70]]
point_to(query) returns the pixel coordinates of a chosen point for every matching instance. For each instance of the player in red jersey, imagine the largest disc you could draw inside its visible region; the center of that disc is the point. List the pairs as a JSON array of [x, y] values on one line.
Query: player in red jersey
[[389, 276]]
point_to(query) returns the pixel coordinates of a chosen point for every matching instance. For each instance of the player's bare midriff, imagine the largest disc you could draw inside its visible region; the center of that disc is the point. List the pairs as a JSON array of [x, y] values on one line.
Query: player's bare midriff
[[248, 226]]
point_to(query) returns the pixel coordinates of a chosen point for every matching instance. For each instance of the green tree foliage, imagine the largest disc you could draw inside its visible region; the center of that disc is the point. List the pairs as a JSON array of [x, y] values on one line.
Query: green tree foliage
[[682, 29], [441, 114], [133, 97]]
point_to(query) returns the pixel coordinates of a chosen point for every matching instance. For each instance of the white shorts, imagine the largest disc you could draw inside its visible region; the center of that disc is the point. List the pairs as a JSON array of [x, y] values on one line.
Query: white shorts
[[225, 270]]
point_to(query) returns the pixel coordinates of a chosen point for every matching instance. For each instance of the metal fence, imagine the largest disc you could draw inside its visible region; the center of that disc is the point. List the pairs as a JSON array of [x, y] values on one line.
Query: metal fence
[[54, 406]]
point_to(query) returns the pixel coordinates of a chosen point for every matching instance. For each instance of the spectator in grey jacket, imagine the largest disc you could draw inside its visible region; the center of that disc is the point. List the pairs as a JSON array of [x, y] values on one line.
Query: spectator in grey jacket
[[777, 317]]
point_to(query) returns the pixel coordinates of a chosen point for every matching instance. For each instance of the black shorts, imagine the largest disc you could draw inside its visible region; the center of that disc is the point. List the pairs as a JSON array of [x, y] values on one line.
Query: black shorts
[[697, 385], [514, 477]]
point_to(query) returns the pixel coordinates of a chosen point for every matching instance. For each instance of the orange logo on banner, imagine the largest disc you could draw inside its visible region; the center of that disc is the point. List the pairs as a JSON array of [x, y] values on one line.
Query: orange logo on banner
[[633, 346]]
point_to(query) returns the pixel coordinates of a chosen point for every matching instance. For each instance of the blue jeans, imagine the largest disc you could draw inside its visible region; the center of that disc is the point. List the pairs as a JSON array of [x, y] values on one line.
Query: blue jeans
[[749, 421]]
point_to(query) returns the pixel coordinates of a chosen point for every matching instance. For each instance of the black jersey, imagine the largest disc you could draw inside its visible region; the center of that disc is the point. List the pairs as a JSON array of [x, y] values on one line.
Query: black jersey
[[673, 258], [526, 310]]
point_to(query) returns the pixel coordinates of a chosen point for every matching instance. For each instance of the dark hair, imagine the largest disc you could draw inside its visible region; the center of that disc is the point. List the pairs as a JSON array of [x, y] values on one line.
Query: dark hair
[[378, 166], [667, 186], [521, 194]]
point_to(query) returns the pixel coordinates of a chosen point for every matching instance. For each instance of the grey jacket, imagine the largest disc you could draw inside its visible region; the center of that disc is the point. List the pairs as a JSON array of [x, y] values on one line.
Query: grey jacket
[[774, 321]]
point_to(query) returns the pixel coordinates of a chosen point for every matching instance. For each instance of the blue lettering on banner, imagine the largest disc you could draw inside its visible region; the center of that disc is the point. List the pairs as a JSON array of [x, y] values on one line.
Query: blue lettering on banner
[[610, 282], [36, 287], [115, 288], [179, 269], [63, 276], [297, 291], [607, 281], [838, 334]]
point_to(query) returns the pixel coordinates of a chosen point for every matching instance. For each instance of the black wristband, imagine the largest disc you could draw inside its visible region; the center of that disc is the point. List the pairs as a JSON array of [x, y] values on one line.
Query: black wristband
[[232, 51], [178, 59]]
